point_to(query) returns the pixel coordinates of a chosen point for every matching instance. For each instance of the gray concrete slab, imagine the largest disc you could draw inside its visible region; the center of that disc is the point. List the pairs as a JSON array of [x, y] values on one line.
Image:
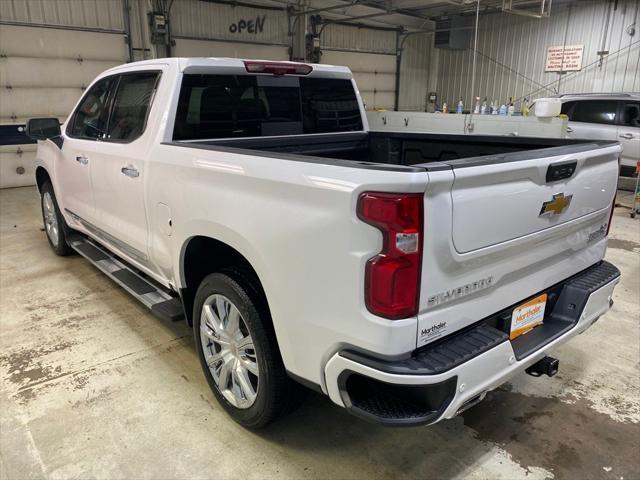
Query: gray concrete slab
[[93, 386]]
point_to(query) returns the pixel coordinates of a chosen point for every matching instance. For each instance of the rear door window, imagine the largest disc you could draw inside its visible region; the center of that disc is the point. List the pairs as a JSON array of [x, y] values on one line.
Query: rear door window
[[131, 106], [630, 114], [228, 106], [595, 111]]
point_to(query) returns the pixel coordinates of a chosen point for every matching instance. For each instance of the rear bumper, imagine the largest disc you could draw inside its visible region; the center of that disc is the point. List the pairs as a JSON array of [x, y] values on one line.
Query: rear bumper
[[441, 379]]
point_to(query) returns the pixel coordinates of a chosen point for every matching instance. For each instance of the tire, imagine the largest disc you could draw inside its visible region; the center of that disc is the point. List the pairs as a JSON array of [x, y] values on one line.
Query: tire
[[247, 377], [54, 224]]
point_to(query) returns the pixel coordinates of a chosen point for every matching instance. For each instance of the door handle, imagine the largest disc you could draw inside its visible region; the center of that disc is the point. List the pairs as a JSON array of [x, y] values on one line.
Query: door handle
[[628, 136], [130, 171], [569, 130], [82, 159]]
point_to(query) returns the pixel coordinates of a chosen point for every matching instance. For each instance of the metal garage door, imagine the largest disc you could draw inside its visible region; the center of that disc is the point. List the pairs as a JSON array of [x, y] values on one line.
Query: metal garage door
[[374, 73], [203, 48], [208, 29], [43, 71]]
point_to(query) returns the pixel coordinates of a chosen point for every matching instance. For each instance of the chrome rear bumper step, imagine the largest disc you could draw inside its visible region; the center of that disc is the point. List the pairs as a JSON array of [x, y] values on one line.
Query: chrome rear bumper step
[[161, 303]]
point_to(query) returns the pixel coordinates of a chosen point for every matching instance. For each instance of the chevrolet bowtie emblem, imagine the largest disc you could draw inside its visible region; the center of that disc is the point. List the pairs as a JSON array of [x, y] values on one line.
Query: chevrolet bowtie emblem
[[556, 206]]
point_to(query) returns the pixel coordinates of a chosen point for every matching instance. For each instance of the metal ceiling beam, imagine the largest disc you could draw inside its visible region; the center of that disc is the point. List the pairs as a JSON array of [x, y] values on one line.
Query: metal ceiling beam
[[411, 12], [389, 27], [327, 9], [370, 15], [373, 23]]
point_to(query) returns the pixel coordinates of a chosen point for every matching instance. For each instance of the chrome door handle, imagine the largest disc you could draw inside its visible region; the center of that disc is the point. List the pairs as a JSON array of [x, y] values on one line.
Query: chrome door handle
[[569, 129], [130, 171], [628, 136], [82, 159]]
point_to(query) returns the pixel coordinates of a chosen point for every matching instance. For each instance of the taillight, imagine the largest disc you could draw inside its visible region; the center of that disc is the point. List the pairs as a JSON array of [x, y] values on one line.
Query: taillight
[[278, 68], [392, 278]]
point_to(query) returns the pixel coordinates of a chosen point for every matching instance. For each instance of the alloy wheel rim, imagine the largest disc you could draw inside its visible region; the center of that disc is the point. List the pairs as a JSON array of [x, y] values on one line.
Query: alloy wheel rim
[[229, 351], [50, 219]]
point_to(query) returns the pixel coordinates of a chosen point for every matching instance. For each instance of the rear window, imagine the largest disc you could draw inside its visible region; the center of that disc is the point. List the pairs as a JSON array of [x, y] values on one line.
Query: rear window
[[228, 106], [131, 106]]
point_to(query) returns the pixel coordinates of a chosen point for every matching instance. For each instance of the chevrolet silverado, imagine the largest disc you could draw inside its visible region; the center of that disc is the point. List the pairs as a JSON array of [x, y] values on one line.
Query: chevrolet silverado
[[404, 275]]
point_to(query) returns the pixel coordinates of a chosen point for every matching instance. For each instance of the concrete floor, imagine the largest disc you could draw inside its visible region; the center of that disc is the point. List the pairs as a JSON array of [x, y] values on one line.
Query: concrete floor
[[93, 386]]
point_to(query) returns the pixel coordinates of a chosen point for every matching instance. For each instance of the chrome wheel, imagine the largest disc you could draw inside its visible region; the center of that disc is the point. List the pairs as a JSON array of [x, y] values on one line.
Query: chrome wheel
[[50, 218], [229, 351]]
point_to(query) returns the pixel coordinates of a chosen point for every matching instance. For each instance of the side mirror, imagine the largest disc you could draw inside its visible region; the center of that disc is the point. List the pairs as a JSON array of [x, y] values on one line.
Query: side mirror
[[43, 128]]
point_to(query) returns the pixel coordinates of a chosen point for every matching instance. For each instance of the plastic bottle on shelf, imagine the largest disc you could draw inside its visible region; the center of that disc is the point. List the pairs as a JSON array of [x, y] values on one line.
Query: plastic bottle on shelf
[[511, 109], [445, 108], [503, 110], [476, 110], [483, 108], [460, 107], [525, 107], [494, 107]]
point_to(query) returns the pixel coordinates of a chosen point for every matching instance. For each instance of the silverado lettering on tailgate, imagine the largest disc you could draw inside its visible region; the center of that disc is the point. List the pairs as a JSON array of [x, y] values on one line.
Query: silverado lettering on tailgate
[[459, 292]]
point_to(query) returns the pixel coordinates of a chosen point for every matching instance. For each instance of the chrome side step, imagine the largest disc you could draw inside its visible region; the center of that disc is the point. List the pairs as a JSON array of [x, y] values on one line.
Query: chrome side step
[[160, 302]]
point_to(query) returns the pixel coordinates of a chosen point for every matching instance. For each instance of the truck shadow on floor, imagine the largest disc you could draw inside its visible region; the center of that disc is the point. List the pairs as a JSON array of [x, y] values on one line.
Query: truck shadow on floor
[[566, 440]]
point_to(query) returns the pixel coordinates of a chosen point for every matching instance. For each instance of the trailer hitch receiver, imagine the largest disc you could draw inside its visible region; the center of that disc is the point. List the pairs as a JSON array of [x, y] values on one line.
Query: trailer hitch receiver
[[547, 366]]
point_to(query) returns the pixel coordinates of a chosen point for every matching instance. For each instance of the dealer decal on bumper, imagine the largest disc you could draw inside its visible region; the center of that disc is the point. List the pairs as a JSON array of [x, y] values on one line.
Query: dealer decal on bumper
[[528, 316]]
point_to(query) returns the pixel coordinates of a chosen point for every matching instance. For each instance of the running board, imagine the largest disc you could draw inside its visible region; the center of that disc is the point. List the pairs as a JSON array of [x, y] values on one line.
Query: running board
[[161, 303]]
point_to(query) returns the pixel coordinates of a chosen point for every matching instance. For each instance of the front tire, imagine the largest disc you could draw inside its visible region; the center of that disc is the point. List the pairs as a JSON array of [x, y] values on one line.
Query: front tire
[[238, 351], [54, 224]]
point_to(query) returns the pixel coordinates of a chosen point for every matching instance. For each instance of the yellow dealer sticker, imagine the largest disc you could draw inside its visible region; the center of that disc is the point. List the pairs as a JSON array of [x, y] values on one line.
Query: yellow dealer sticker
[[527, 316]]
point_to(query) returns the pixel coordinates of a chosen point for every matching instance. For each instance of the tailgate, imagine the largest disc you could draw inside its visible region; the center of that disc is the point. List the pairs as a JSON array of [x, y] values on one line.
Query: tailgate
[[498, 202], [501, 228]]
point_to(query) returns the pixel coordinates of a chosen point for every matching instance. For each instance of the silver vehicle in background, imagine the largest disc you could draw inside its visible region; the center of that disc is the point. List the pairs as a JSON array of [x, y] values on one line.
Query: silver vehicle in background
[[606, 116]]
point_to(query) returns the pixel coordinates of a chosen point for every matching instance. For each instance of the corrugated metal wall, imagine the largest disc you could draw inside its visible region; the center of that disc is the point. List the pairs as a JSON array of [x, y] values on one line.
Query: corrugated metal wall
[[417, 71], [512, 51]]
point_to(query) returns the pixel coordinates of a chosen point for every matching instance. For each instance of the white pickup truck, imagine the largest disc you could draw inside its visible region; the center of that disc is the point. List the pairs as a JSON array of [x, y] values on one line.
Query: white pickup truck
[[404, 275]]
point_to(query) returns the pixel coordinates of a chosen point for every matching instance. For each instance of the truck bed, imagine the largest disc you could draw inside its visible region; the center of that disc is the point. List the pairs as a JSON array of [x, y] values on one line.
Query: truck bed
[[376, 149]]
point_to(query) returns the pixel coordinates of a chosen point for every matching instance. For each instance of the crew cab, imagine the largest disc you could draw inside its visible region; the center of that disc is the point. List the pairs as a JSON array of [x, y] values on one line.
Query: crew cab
[[404, 275]]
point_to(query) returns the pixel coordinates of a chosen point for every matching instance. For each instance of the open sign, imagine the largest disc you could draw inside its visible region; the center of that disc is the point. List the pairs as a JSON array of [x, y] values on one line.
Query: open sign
[[251, 26]]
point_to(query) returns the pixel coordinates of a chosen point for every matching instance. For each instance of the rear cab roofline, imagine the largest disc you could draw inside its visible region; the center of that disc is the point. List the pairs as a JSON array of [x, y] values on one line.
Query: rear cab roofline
[[223, 65], [230, 66]]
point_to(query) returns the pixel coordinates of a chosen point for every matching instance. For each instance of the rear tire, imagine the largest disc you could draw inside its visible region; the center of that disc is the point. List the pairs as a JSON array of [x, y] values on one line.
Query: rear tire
[[54, 224], [238, 351]]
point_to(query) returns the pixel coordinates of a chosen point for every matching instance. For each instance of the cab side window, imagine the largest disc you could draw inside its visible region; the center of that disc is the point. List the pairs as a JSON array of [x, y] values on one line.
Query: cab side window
[[595, 111], [90, 118], [131, 106]]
